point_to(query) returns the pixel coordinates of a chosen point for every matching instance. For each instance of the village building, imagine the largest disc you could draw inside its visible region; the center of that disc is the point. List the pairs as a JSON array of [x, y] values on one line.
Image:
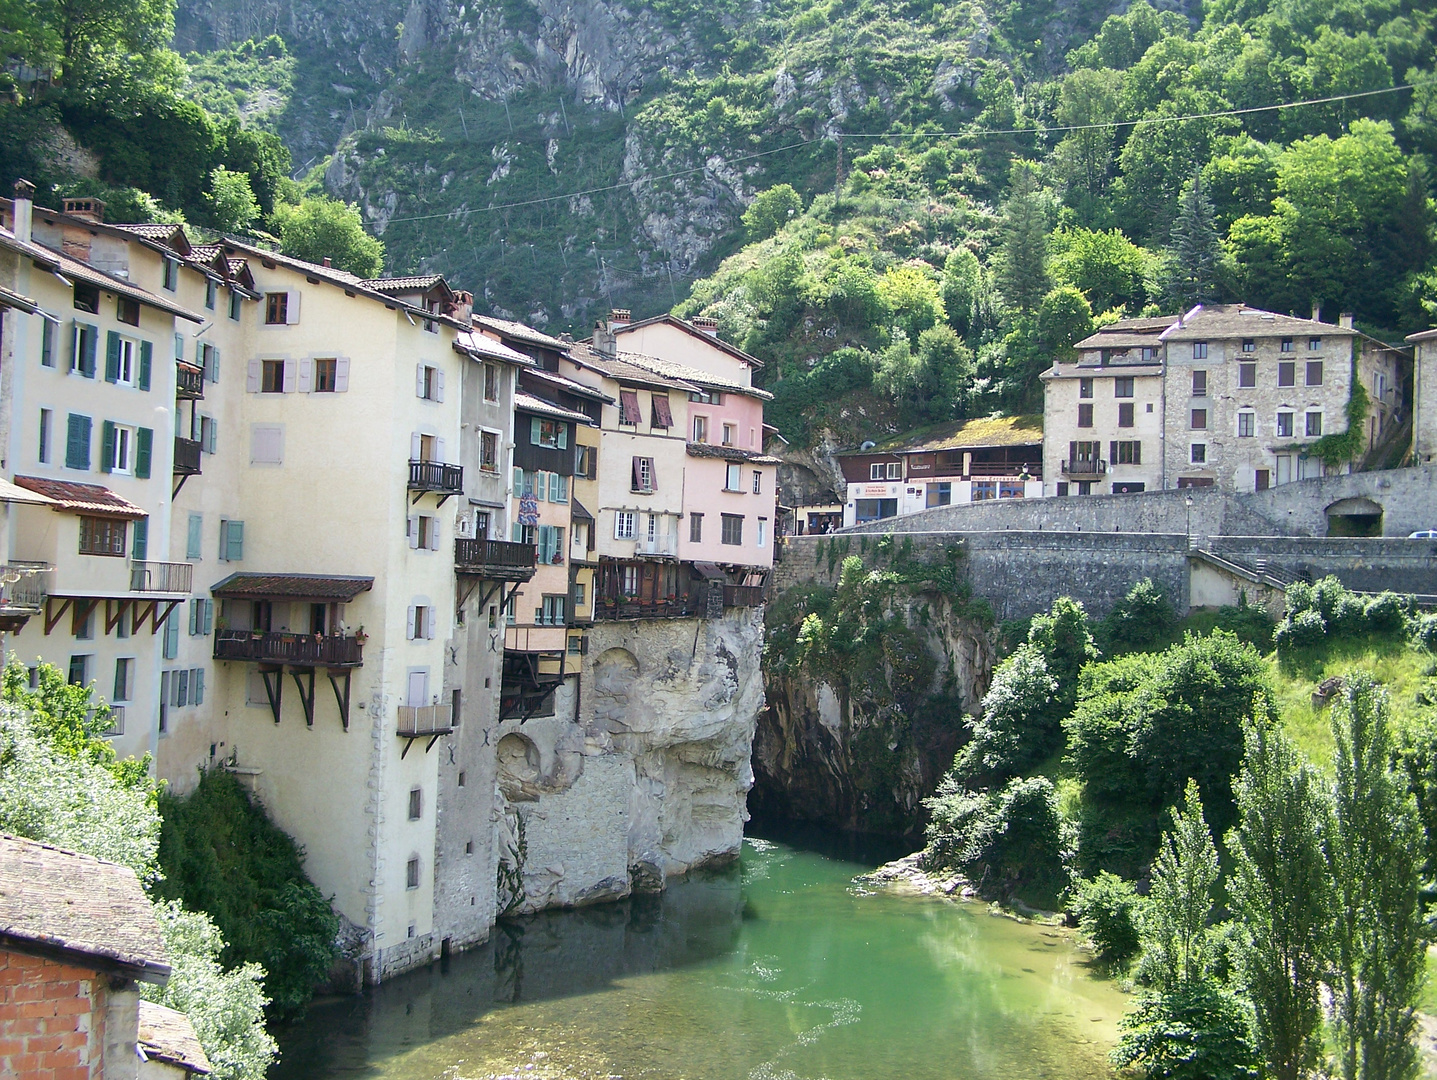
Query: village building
[[77, 937], [1424, 397]]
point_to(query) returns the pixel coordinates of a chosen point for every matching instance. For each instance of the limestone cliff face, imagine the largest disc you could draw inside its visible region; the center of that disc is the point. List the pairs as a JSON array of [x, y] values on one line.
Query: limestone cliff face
[[640, 774], [861, 757]]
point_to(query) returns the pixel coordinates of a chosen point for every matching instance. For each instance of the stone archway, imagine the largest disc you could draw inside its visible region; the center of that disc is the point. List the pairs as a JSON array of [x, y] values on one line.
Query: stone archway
[[1358, 516]]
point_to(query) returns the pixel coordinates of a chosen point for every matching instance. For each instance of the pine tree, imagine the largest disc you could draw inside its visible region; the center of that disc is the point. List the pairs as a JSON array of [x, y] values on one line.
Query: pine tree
[[1022, 272], [1175, 931], [1374, 855], [1280, 898], [1194, 252]]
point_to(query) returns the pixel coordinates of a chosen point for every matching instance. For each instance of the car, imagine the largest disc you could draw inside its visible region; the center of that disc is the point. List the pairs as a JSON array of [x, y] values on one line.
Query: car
[[1423, 534]]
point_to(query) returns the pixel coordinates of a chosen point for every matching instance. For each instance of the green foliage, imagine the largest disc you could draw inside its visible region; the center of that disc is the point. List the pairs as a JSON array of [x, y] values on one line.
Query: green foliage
[[233, 204], [1141, 619], [1176, 932], [1108, 909], [221, 854], [1106, 267], [1007, 841], [771, 210], [319, 228], [1193, 259], [1325, 610], [1198, 1031], [1022, 271], [1417, 759]]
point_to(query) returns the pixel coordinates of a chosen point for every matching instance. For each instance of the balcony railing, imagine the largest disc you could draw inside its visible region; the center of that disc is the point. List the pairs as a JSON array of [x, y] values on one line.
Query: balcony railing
[[436, 476], [187, 457], [742, 595], [301, 650], [497, 560], [664, 546], [161, 577], [608, 608], [418, 721], [1095, 467], [22, 587], [189, 382]]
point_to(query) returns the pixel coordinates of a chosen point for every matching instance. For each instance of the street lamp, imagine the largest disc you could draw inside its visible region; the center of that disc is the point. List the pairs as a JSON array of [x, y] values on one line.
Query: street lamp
[[1188, 502]]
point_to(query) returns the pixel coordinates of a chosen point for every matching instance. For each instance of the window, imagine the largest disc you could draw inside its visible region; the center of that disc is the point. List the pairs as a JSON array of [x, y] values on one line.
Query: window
[[1199, 453], [326, 370], [85, 628], [586, 463], [102, 536], [276, 308], [551, 434], [421, 623], [1314, 424], [1062, 488], [643, 475], [1199, 350], [661, 416], [551, 611], [1199, 383], [120, 360], [1313, 344], [1085, 416], [1148, 353], [526, 534], [1085, 388], [266, 444], [757, 482], [115, 448], [47, 343], [623, 525], [127, 311], [1284, 425], [491, 382], [707, 397], [1199, 420], [271, 377], [551, 545], [1123, 387], [1286, 373], [875, 471], [733, 477], [87, 298], [45, 419], [696, 528], [895, 470], [1248, 345], [84, 343], [732, 529], [1246, 376], [209, 358], [1286, 345], [1125, 414], [576, 643], [1246, 425], [1126, 453], [629, 407], [77, 442], [423, 532], [761, 537], [80, 670], [231, 541], [558, 488], [212, 291], [416, 803], [411, 874], [209, 434], [429, 383], [124, 678], [579, 594], [488, 451], [234, 305], [1314, 373], [202, 616], [481, 524], [728, 436], [701, 429]]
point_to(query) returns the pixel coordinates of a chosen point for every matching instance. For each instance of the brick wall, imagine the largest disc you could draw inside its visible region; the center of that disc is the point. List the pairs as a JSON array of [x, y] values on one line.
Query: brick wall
[[51, 1019]]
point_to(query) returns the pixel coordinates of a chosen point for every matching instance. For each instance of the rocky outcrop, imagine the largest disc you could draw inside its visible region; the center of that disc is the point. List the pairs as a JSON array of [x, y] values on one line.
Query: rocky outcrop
[[642, 771]]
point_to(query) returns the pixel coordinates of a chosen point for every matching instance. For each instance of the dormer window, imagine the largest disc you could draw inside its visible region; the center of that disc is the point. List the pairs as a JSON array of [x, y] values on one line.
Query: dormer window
[[276, 308], [171, 273], [127, 311]]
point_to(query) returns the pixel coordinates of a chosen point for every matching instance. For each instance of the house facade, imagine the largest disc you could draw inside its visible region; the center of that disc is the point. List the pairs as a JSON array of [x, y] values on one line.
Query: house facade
[[1424, 396]]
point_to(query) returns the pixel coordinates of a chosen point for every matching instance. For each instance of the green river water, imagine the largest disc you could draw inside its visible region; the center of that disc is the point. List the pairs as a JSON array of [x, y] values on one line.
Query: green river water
[[778, 969]]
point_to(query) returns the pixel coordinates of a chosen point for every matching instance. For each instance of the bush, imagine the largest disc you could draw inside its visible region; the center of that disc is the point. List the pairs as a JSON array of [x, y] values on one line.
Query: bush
[[1387, 613], [1107, 908], [1198, 1031], [1424, 632], [1139, 620], [1015, 728], [1308, 628], [1008, 841], [1349, 617]]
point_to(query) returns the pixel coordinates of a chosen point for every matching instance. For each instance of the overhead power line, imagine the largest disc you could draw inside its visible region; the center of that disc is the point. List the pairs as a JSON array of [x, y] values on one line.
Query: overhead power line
[[972, 135]]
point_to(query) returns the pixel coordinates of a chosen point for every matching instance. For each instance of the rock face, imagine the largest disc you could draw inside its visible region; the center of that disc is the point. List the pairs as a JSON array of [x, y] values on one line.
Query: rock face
[[861, 757], [640, 775]]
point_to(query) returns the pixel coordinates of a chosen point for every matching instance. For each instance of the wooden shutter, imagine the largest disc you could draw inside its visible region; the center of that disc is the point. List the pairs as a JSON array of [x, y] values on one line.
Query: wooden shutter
[[291, 374], [439, 450], [147, 359], [194, 537], [418, 380], [629, 407], [197, 686], [224, 551], [634, 481], [72, 356], [1137, 453], [195, 616], [412, 531], [107, 445], [144, 448], [112, 357], [429, 620], [209, 617], [253, 376], [415, 445], [653, 476], [535, 429], [1072, 451], [434, 534], [341, 374], [1112, 453], [291, 308], [180, 347], [234, 537], [77, 442], [438, 385], [662, 416], [563, 436], [172, 638], [306, 375], [90, 343], [47, 343], [141, 549], [409, 624]]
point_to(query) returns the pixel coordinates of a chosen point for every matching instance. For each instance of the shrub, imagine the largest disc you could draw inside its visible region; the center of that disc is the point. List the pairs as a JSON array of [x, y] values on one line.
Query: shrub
[[1348, 618], [1107, 908], [1139, 620], [1387, 613], [1008, 841], [1424, 632], [1306, 629], [1198, 1031], [1015, 728]]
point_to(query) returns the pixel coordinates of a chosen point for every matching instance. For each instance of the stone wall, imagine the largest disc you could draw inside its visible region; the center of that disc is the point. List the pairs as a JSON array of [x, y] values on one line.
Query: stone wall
[[1365, 564]]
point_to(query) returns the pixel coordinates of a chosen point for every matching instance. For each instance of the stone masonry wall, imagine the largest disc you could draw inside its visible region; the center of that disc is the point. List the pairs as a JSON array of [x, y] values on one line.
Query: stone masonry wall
[[51, 1020]]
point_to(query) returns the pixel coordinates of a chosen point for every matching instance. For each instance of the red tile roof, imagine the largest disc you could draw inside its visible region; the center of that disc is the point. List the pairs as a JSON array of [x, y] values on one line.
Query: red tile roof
[[167, 1035], [82, 498], [335, 587]]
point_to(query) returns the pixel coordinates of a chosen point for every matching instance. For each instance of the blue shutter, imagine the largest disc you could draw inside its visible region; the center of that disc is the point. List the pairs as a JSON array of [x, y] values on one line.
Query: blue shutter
[[197, 686], [88, 346], [72, 357], [563, 436], [235, 541], [179, 346], [77, 442], [209, 617], [141, 550], [47, 343], [172, 637], [112, 357], [147, 356], [534, 425], [144, 447], [107, 445], [195, 536]]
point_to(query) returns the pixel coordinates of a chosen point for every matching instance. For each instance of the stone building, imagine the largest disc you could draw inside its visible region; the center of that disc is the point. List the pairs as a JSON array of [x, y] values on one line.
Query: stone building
[[1424, 397]]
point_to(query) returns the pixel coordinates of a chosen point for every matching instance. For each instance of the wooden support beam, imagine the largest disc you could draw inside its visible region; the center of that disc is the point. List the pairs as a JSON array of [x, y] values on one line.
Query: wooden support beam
[[307, 700], [159, 620], [54, 614], [144, 612], [115, 613], [341, 697], [273, 688]]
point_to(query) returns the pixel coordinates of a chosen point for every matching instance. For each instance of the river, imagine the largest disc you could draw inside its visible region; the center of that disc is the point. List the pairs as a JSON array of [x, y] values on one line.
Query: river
[[777, 969]]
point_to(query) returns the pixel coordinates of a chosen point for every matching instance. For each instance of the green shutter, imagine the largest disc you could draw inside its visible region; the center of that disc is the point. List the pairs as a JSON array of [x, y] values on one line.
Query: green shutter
[[141, 550], [71, 359], [235, 541], [195, 536], [534, 424], [112, 357], [107, 445], [88, 345], [563, 436], [47, 343], [144, 447], [147, 356], [179, 346], [77, 444]]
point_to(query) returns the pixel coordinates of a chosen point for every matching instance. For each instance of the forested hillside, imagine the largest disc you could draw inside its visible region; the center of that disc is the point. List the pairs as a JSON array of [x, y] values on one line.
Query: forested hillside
[[953, 191]]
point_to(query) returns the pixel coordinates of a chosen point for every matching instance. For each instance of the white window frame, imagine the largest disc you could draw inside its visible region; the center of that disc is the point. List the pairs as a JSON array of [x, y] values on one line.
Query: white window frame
[[1250, 417], [624, 524], [733, 476]]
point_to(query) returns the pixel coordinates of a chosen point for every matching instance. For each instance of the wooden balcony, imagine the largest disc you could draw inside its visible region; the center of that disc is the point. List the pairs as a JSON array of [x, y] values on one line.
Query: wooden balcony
[[742, 595], [297, 650], [612, 608], [187, 457], [161, 577], [421, 721], [1095, 467], [22, 593], [496, 560], [435, 477], [189, 382]]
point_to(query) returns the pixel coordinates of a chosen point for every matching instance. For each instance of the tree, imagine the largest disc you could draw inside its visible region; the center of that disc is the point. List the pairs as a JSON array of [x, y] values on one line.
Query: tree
[[1084, 159], [1140, 619], [1022, 270], [231, 200], [1176, 936], [1108, 909], [1374, 857], [320, 228], [1011, 732], [770, 211], [1280, 898], [1196, 1032], [1194, 253], [1106, 267], [962, 283], [1009, 841], [912, 296]]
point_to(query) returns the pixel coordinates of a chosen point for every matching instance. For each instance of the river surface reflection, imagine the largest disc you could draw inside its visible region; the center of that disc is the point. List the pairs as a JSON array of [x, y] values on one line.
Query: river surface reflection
[[777, 969]]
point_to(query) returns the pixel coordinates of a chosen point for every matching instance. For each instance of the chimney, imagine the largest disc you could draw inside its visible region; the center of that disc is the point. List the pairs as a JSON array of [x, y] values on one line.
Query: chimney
[[463, 306], [1345, 320], [604, 339], [86, 209], [707, 325], [24, 209], [620, 317], [1316, 311]]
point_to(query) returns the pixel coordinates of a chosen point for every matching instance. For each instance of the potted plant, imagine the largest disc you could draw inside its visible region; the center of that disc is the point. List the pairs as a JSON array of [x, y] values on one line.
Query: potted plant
[[360, 637]]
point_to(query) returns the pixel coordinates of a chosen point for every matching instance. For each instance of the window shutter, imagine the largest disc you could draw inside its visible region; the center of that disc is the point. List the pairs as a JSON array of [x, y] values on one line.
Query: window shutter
[[212, 363], [1072, 451], [438, 385], [87, 355], [179, 347], [554, 487], [235, 537], [514, 532], [563, 436], [224, 552], [429, 621], [409, 624], [195, 616], [306, 375], [341, 375], [1112, 453], [77, 442], [439, 450], [209, 617], [47, 343], [252, 377], [141, 549], [107, 445], [1137, 453], [72, 358], [635, 475], [172, 637], [411, 530], [418, 380], [209, 433], [414, 446], [291, 372], [194, 536], [112, 357], [144, 446], [653, 475], [147, 359], [434, 535], [534, 423], [197, 686], [291, 308]]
